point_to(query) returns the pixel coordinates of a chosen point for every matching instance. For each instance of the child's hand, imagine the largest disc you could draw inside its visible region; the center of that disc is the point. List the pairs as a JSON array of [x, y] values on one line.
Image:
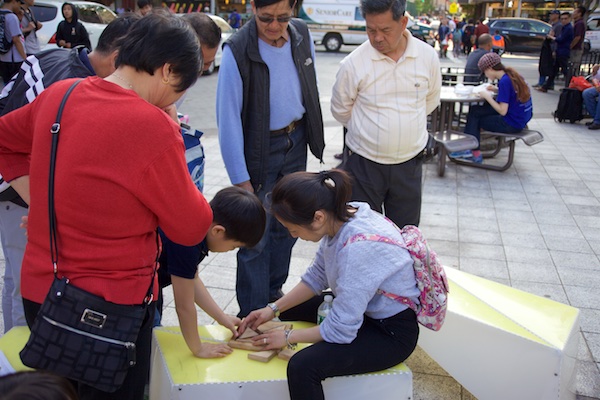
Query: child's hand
[[232, 322], [213, 350]]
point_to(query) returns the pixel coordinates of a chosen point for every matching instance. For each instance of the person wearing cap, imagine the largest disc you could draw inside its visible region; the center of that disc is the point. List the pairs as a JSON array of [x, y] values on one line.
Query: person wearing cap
[[563, 50], [509, 112], [546, 62]]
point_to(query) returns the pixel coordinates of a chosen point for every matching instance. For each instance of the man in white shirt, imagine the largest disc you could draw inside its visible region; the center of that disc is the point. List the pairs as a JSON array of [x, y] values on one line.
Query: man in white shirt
[[383, 93]]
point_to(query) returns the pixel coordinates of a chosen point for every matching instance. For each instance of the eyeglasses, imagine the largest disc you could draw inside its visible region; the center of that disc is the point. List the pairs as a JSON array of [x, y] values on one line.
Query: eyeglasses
[[268, 20]]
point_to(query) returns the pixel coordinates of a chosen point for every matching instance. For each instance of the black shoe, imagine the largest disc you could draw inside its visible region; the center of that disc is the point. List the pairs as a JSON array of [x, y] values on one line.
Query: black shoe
[[541, 89], [338, 156], [594, 126], [589, 123]]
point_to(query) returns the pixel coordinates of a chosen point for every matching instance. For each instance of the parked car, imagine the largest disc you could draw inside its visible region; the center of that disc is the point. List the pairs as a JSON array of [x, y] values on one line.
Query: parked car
[[520, 34], [420, 30], [226, 32], [592, 34], [93, 16]]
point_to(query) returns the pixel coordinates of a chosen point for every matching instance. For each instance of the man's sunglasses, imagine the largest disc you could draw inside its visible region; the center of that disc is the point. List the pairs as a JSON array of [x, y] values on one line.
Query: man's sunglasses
[[268, 20]]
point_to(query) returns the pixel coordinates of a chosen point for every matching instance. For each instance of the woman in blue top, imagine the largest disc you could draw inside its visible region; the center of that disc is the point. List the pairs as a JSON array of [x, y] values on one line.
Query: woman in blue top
[[509, 112]]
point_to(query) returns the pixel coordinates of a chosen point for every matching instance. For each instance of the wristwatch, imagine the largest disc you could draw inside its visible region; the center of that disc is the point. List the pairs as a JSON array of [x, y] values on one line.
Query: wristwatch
[[275, 309]]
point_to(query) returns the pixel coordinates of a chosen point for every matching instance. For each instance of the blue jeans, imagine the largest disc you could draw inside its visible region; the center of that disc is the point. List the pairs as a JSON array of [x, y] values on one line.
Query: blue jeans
[[486, 118], [263, 269], [590, 99], [13, 245]]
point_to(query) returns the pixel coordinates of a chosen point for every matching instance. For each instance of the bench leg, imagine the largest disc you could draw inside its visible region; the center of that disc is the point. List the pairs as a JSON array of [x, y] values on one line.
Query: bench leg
[[511, 156], [441, 168]]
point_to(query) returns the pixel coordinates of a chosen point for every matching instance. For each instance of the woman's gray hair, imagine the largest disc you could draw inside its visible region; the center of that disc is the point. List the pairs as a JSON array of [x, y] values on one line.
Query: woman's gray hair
[[397, 7]]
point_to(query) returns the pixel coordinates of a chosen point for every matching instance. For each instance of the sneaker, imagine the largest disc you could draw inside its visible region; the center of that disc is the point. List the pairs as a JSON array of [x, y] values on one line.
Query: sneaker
[[536, 86], [594, 126], [461, 154], [338, 156], [478, 159], [541, 89], [589, 123]]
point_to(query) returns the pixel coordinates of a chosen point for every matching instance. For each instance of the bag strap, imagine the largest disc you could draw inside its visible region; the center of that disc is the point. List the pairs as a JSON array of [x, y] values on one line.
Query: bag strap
[[54, 130]]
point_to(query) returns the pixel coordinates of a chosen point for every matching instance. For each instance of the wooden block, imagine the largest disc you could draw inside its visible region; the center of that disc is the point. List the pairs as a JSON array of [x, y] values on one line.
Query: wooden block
[[248, 333], [286, 354], [244, 345], [269, 325], [262, 356]]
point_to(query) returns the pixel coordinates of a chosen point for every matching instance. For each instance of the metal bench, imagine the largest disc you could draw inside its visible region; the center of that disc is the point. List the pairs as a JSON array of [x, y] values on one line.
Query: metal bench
[[449, 142], [528, 136]]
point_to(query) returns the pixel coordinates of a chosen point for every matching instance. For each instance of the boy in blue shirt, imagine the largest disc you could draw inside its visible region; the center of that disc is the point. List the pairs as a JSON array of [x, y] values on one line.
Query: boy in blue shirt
[[238, 221]]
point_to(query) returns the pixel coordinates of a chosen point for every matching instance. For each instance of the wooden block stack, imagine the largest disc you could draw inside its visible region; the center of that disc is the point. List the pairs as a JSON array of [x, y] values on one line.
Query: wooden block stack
[[244, 342]]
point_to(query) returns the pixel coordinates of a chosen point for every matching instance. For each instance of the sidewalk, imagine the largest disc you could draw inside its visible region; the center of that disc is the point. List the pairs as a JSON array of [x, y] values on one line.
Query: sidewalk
[[533, 227]]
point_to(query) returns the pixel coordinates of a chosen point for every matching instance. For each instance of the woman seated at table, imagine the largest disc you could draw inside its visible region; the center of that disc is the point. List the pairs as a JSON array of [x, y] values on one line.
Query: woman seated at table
[[365, 331], [508, 113]]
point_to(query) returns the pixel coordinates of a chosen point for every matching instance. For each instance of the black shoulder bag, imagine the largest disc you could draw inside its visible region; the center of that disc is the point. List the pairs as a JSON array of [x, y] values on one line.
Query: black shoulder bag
[[77, 334]]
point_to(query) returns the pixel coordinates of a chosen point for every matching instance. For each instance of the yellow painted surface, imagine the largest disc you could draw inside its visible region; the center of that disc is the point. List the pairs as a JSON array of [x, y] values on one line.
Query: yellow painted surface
[[12, 343], [236, 367], [530, 316]]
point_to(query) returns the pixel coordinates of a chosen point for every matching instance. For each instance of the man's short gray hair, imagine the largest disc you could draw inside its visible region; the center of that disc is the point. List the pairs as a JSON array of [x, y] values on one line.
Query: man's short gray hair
[[397, 7]]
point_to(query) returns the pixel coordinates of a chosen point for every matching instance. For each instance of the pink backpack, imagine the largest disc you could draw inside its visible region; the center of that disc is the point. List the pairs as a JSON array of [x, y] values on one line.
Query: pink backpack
[[429, 273]]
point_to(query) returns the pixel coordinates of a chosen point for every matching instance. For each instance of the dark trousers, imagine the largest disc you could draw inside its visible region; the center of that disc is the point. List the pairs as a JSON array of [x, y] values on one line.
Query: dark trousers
[[379, 344], [133, 387], [560, 64], [486, 118], [394, 190]]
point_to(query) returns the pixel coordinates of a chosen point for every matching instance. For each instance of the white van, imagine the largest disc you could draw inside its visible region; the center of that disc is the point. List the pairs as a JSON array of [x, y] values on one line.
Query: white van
[[334, 22]]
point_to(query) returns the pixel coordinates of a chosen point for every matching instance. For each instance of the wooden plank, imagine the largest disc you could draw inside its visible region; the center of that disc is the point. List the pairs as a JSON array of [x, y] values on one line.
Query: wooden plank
[[262, 356], [270, 325], [244, 345], [248, 333], [286, 354]]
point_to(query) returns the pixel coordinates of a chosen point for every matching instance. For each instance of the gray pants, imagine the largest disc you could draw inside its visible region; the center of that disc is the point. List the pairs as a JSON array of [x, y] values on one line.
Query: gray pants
[[13, 245]]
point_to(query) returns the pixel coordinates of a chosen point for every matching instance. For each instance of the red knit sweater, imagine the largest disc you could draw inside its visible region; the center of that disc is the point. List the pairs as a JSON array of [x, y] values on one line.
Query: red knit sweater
[[120, 173]]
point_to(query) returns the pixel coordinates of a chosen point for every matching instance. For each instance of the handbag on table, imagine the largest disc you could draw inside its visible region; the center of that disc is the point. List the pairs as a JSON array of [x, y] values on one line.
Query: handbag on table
[[77, 334]]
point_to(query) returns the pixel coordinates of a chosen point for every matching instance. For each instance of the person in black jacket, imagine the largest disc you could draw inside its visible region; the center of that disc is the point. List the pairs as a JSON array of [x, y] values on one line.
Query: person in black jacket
[[71, 32]]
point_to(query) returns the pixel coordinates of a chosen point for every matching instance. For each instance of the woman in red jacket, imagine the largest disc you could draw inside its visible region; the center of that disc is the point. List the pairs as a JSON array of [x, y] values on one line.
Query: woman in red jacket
[[120, 173]]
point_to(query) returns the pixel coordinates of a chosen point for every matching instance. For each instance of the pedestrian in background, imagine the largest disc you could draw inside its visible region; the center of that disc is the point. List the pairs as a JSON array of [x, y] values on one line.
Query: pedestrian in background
[[563, 50], [547, 53], [12, 59], [70, 32], [578, 36], [29, 26]]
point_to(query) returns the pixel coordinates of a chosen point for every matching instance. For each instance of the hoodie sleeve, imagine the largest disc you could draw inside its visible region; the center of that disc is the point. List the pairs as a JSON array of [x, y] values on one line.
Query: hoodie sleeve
[[59, 33], [84, 37]]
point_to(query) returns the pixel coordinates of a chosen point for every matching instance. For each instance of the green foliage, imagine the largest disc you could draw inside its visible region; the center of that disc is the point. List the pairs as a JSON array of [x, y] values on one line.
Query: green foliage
[[424, 6]]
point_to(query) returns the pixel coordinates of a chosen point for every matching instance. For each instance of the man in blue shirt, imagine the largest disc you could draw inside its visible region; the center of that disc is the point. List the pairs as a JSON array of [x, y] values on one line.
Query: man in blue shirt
[[563, 50], [267, 111], [235, 19]]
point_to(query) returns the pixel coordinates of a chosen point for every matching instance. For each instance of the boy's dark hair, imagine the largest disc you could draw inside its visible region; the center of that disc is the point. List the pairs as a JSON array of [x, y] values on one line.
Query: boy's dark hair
[[582, 10], [36, 385], [207, 30], [113, 35], [143, 3], [264, 3], [241, 214], [166, 39]]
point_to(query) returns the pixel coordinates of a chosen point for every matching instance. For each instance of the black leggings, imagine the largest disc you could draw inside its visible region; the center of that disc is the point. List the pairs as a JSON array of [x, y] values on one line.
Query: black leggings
[[379, 344], [133, 387]]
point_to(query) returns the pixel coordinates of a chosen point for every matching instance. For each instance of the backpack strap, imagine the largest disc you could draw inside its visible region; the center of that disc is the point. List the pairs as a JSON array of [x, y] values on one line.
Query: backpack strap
[[373, 237]]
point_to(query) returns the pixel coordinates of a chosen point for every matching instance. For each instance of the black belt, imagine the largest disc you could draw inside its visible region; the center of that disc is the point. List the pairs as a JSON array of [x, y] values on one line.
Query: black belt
[[288, 129]]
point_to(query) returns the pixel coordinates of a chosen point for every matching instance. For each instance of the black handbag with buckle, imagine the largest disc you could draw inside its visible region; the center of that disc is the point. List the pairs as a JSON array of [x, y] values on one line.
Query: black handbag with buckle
[[77, 334]]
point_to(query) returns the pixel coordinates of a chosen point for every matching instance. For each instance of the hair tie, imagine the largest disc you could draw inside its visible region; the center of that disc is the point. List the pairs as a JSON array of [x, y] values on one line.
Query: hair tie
[[326, 179]]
